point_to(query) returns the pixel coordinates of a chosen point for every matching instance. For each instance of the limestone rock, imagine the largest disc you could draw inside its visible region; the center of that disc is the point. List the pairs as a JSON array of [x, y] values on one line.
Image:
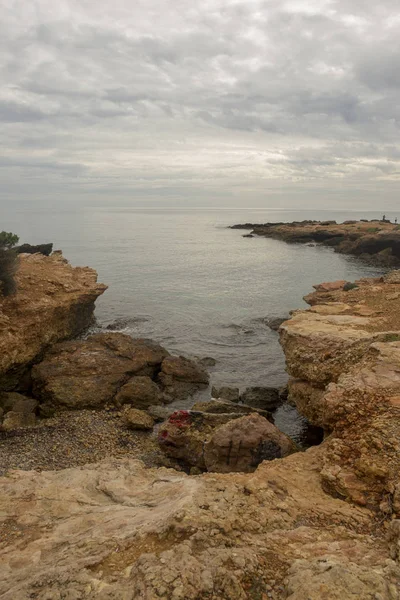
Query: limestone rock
[[274, 322], [17, 420], [160, 413], [54, 301], [184, 434], [141, 392], [267, 398], [183, 369], [223, 406], [138, 419], [226, 393], [18, 411], [180, 377], [116, 530], [89, 373], [241, 445]]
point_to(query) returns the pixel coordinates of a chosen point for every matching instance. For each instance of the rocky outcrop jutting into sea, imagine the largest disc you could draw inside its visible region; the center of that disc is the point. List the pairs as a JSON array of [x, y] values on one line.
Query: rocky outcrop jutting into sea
[[377, 240], [324, 523], [54, 301]]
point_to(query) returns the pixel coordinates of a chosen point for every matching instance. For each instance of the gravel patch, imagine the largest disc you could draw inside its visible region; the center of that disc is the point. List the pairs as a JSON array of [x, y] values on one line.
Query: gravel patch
[[75, 438]]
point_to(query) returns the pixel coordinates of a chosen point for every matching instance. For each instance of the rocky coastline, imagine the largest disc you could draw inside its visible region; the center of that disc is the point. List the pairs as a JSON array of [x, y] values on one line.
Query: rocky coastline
[[240, 512], [377, 241]]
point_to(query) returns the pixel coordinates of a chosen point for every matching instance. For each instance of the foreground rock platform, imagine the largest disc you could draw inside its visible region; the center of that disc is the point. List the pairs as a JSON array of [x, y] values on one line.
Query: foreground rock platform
[[377, 240], [115, 530]]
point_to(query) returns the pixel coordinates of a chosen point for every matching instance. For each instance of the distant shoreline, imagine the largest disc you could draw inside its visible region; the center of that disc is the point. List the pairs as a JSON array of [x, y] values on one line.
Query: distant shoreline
[[375, 240]]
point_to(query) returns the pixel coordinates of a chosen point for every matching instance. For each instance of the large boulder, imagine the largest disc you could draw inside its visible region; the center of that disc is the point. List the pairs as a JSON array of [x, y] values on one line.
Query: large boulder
[[90, 373], [242, 444], [180, 377], [185, 433], [53, 302], [141, 392]]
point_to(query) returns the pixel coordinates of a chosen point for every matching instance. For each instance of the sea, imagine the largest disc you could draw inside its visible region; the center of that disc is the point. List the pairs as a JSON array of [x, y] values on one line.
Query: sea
[[181, 277]]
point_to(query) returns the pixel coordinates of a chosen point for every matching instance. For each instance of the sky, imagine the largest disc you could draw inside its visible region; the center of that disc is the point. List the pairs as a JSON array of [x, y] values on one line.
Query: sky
[[220, 102]]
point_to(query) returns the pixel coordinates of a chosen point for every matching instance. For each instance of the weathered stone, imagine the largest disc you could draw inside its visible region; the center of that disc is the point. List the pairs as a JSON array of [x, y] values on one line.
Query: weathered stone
[[184, 434], [141, 392], [17, 402], [54, 302], [223, 406], [207, 361], [266, 398], [18, 411], [181, 377], [138, 419], [89, 373], [117, 530], [183, 369], [226, 393], [275, 322], [241, 445], [18, 420], [160, 413]]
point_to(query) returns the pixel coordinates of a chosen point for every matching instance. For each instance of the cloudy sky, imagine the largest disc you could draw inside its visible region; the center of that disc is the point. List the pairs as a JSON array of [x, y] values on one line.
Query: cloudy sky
[[221, 102]]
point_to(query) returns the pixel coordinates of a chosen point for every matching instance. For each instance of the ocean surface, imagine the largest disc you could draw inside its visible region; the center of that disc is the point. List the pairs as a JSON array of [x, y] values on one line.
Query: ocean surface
[[181, 277]]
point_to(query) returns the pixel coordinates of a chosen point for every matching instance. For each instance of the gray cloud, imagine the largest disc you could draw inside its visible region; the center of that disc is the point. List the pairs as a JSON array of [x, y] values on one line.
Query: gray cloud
[[162, 97]]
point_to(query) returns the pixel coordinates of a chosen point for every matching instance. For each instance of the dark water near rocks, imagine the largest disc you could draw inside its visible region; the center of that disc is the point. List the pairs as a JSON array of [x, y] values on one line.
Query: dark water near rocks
[[180, 277]]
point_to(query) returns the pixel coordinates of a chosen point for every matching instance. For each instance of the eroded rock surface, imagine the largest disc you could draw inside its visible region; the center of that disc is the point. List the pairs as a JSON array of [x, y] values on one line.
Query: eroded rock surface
[[112, 367], [115, 530], [241, 445], [54, 301], [346, 379]]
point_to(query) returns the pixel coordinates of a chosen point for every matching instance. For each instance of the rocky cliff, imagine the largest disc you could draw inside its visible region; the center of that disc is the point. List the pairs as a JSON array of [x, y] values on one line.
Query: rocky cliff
[[54, 301], [320, 524], [344, 358], [377, 240]]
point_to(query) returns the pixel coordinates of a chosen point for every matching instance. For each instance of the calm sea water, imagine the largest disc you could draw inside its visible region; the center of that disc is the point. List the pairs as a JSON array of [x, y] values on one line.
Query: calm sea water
[[182, 278]]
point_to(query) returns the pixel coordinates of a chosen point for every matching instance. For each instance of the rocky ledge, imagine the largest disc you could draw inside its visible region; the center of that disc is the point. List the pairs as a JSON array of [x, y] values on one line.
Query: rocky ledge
[[324, 523], [54, 301], [376, 240]]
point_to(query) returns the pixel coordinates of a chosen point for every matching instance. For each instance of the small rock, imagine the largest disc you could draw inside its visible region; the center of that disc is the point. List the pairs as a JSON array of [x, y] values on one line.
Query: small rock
[[18, 420], [266, 398], [138, 419], [225, 407], [226, 393], [207, 361], [141, 392], [275, 322], [349, 286], [160, 413]]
